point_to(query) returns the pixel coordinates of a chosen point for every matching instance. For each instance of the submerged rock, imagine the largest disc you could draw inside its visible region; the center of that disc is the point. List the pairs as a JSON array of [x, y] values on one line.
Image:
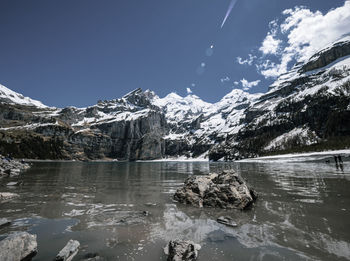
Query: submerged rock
[[225, 190], [4, 222], [13, 183], [69, 251], [177, 250], [92, 257], [150, 204], [4, 196], [227, 221], [18, 246]]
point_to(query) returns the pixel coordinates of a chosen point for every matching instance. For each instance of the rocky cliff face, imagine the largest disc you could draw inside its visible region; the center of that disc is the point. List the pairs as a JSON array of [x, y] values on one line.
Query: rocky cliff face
[[129, 128], [305, 109]]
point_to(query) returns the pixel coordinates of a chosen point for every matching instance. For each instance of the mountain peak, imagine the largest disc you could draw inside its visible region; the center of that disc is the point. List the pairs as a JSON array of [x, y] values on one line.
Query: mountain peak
[[133, 93]]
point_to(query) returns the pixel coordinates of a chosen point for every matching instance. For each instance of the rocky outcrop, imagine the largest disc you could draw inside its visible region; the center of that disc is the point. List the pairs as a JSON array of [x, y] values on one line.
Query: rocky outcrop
[[178, 250], [11, 167], [225, 190], [327, 56], [18, 246], [69, 251]]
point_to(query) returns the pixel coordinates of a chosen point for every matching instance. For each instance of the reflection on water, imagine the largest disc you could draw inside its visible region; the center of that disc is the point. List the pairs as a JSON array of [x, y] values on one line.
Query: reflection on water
[[124, 211]]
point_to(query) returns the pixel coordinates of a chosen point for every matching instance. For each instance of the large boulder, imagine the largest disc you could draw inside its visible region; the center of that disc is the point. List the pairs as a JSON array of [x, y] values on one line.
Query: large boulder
[[177, 250], [225, 190], [18, 246]]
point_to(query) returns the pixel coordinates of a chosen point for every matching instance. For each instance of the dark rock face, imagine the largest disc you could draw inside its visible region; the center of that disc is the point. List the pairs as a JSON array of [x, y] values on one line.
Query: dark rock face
[[177, 250], [18, 246], [137, 138], [225, 190], [328, 56]]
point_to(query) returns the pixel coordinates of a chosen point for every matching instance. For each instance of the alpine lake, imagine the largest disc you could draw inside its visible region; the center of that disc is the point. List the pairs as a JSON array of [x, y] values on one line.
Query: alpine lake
[[125, 210]]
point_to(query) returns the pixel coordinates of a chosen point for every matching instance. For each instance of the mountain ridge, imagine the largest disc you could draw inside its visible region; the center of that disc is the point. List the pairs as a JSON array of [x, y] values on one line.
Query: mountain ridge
[[305, 108]]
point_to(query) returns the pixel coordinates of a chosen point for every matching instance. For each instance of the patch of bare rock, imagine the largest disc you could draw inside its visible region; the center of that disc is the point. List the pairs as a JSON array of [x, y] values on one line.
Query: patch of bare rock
[[18, 246]]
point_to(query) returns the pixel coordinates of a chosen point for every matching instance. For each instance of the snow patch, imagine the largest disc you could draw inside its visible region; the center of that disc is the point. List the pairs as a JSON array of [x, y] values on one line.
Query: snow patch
[[12, 97]]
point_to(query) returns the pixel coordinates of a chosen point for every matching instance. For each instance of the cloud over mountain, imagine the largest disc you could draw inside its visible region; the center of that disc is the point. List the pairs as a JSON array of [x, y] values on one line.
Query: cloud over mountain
[[301, 33]]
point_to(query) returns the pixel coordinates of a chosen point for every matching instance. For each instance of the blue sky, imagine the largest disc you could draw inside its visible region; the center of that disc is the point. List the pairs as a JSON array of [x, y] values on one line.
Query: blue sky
[[77, 52]]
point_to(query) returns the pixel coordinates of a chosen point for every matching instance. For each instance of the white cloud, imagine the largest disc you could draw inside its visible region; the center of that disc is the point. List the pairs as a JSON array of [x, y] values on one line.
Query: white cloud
[[188, 90], [248, 61], [235, 83], [270, 45], [247, 85], [300, 35], [225, 79]]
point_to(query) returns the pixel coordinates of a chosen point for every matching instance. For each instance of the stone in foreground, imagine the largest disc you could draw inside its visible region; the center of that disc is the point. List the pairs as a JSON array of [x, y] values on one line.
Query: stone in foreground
[[18, 246], [177, 250], [69, 251], [227, 221], [225, 190]]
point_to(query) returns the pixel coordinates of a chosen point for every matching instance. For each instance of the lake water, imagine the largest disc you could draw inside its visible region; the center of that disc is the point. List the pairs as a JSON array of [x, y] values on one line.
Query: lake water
[[303, 212]]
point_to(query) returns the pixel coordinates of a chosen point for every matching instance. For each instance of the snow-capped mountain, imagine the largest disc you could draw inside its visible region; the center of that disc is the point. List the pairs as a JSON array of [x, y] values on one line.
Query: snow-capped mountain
[[9, 96], [307, 108]]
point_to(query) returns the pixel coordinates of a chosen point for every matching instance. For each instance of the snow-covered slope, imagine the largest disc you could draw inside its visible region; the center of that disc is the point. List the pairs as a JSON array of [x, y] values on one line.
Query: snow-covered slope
[[307, 106], [9, 96], [224, 117], [180, 109]]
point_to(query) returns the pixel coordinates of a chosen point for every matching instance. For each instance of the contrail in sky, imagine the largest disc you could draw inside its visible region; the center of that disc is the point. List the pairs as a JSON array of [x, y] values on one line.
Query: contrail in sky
[[232, 4]]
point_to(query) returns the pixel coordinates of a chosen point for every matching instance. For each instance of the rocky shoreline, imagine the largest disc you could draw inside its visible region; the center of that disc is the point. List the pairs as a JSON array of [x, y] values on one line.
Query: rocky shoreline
[[12, 167]]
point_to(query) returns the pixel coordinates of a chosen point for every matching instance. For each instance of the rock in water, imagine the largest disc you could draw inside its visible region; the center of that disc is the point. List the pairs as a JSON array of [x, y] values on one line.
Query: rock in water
[[4, 196], [69, 251], [225, 190], [227, 221], [13, 183], [18, 246], [92, 257], [181, 250], [4, 222]]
